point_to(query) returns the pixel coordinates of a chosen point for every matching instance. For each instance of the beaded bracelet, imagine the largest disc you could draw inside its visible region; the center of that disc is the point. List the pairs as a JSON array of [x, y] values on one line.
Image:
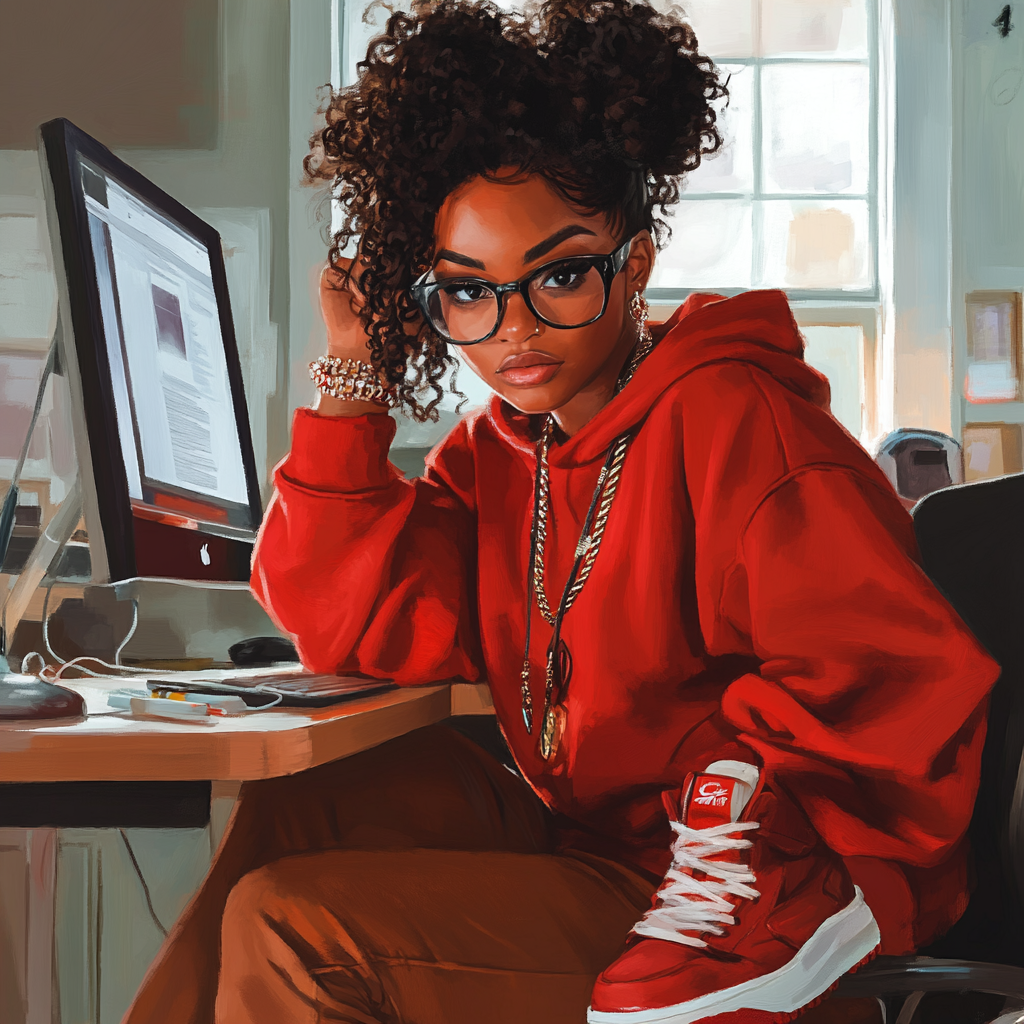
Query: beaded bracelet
[[350, 379]]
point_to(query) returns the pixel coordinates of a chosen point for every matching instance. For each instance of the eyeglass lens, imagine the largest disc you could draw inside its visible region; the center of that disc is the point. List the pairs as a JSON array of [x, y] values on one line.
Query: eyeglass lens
[[569, 293]]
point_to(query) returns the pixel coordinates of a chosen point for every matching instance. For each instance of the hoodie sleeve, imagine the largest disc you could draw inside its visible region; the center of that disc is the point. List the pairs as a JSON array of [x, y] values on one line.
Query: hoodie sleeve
[[871, 697], [368, 571]]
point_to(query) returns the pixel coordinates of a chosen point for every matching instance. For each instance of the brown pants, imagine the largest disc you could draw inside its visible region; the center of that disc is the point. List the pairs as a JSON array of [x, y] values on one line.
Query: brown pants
[[415, 883]]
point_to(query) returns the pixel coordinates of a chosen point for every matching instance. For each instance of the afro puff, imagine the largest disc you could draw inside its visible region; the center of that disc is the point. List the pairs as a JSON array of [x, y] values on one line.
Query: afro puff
[[609, 100]]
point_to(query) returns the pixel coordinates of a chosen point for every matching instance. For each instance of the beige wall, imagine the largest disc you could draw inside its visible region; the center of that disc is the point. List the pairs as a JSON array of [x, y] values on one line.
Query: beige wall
[[137, 75], [217, 140]]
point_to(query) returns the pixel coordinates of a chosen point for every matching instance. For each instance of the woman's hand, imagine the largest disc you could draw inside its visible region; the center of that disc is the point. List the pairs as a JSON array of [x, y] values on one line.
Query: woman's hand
[[340, 303]]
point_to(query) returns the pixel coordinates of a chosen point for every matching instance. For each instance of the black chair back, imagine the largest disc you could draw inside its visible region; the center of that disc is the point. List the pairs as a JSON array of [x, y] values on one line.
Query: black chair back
[[972, 546]]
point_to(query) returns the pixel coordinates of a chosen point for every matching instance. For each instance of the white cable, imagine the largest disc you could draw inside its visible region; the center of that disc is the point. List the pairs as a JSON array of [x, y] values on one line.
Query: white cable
[[273, 704], [131, 632], [116, 667], [25, 661], [46, 627], [128, 671]]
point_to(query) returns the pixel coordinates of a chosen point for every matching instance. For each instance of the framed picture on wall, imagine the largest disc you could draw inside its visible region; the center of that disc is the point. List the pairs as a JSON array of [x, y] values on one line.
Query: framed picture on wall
[[993, 347], [992, 450]]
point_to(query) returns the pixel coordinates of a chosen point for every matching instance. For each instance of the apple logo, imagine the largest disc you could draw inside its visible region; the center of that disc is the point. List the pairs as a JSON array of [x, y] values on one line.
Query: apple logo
[[204, 555]]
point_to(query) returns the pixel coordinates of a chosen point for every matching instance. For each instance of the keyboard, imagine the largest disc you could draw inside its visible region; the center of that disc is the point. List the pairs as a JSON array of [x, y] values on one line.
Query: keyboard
[[295, 685]]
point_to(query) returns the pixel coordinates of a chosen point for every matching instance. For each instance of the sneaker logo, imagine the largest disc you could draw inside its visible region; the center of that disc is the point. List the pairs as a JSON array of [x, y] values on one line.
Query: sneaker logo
[[712, 794]]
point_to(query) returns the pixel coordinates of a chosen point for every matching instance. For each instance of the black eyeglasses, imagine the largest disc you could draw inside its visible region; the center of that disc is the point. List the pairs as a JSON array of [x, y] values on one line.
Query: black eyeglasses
[[570, 292]]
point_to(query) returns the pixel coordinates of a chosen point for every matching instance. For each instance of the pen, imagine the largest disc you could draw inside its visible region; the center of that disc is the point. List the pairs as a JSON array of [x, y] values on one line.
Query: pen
[[160, 707], [228, 704]]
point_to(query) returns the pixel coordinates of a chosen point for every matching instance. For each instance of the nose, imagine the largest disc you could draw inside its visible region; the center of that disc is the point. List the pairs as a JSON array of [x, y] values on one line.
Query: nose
[[518, 323]]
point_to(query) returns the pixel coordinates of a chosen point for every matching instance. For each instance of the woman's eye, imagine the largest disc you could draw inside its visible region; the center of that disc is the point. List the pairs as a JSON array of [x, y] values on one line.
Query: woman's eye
[[565, 275], [466, 292]]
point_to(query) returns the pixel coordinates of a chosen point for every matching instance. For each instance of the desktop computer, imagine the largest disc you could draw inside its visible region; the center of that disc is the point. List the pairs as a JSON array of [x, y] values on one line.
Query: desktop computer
[[167, 480], [166, 464]]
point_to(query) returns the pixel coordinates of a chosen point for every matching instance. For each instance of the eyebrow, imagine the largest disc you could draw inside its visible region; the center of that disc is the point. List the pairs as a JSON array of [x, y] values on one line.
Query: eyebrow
[[457, 257], [540, 249]]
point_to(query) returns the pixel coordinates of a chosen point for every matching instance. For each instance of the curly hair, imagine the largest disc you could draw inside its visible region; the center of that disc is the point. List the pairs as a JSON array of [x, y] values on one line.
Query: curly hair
[[608, 100]]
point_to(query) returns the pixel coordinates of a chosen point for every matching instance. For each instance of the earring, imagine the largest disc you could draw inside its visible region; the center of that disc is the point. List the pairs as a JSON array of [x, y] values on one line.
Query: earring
[[638, 311]]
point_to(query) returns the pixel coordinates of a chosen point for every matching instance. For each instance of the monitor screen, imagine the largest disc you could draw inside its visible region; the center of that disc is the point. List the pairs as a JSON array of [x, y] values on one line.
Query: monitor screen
[[154, 373], [172, 396]]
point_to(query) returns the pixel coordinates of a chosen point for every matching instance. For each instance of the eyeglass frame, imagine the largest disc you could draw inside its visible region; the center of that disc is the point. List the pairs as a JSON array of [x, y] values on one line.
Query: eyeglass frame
[[607, 265]]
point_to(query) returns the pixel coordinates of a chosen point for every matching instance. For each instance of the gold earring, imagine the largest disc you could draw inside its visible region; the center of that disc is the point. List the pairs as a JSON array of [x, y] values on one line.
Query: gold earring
[[638, 311]]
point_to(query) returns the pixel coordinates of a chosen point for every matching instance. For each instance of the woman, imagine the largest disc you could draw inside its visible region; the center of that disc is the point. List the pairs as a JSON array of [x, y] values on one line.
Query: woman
[[713, 656]]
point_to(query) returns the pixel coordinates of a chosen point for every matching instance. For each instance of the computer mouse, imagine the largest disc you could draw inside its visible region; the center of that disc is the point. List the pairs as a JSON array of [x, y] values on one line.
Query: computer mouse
[[26, 698], [262, 650]]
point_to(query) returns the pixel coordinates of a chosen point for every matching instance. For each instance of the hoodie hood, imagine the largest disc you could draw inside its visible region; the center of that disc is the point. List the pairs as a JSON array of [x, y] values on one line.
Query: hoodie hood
[[756, 328]]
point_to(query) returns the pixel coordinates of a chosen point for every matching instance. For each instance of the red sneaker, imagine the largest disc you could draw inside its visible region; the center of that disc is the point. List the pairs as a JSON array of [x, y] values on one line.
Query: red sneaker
[[736, 937]]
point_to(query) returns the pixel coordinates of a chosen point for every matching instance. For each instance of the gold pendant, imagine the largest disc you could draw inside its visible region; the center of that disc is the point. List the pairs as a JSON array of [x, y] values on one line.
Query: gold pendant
[[551, 732]]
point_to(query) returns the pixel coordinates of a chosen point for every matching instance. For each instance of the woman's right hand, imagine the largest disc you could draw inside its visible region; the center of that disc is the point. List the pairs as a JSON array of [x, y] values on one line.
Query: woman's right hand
[[340, 303]]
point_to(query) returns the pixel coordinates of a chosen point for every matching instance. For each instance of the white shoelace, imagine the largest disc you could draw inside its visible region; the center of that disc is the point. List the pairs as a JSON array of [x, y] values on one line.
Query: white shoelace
[[688, 904]]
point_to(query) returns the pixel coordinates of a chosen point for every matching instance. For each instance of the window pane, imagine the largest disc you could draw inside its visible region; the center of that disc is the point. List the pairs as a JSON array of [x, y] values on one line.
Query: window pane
[[362, 22], [837, 28], [725, 28], [815, 127], [19, 380], [731, 169], [711, 246], [837, 352], [816, 244]]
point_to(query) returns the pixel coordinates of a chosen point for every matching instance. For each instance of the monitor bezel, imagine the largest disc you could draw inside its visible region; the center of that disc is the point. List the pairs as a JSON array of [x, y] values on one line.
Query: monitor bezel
[[108, 507]]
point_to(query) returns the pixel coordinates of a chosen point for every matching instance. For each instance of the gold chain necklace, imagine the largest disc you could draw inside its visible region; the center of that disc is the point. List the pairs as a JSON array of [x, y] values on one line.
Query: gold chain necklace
[[559, 662]]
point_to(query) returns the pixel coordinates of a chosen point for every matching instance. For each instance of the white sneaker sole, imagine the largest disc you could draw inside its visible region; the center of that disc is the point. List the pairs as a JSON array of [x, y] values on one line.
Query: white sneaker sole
[[840, 944]]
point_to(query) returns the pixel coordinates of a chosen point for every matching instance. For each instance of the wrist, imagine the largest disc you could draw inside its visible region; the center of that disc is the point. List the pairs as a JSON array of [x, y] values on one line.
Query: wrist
[[350, 381], [326, 405]]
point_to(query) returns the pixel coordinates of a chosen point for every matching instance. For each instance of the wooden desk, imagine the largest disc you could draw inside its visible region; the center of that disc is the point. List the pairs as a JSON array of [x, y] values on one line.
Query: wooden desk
[[117, 747]]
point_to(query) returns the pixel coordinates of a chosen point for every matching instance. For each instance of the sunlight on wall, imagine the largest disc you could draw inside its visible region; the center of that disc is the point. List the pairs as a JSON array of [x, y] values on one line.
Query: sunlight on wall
[[838, 353], [923, 389]]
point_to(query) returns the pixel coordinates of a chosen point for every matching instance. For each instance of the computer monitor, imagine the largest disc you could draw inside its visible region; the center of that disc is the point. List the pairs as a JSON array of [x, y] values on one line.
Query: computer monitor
[[167, 472]]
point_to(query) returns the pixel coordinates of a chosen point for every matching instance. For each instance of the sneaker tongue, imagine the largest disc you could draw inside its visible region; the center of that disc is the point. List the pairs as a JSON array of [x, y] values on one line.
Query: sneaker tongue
[[716, 799]]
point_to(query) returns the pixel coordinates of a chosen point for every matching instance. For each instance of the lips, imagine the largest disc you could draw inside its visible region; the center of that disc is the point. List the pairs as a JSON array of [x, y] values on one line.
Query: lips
[[527, 369]]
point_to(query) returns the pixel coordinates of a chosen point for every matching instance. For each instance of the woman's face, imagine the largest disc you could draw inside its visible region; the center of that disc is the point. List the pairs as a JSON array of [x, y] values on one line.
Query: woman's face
[[500, 231]]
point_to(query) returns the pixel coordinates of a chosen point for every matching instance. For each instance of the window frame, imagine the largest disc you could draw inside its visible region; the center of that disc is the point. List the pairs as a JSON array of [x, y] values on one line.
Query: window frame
[[843, 296]]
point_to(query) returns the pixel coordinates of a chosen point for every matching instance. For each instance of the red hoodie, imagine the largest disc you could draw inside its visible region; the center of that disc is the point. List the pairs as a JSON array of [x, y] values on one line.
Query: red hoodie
[[756, 588]]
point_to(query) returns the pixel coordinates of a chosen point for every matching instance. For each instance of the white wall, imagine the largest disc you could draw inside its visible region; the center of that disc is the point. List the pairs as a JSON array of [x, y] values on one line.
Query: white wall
[[309, 208], [959, 197], [922, 337], [988, 176]]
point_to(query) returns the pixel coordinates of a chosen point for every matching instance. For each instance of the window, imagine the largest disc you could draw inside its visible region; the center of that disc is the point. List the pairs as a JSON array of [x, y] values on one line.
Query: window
[[28, 312], [790, 199]]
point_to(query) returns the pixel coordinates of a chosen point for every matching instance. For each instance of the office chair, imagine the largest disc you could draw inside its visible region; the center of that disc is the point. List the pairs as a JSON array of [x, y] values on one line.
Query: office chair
[[972, 546]]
